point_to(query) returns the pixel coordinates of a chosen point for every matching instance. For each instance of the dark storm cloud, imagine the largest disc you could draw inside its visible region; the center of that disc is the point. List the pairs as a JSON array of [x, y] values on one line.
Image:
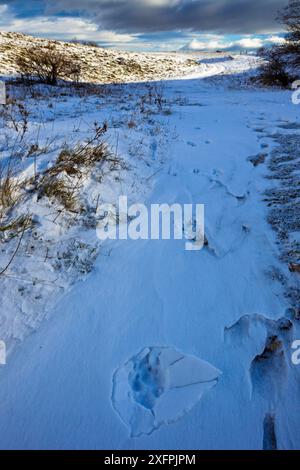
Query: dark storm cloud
[[148, 16], [136, 16]]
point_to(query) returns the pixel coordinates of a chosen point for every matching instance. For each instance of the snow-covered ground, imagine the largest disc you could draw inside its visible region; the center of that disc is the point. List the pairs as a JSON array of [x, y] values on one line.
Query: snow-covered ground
[[158, 347], [98, 65]]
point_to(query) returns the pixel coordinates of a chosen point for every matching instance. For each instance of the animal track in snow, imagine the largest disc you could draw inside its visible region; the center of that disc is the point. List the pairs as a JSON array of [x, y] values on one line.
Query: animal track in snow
[[267, 369], [217, 176], [270, 439], [158, 386], [223, 249]]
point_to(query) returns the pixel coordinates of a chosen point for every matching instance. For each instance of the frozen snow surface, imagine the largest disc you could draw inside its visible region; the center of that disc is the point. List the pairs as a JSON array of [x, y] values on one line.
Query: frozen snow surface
[[158, 386], [151, 346]]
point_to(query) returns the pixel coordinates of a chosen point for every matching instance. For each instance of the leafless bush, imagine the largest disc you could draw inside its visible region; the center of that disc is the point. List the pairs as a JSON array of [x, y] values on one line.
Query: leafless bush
[[290, 17], [153, 100], [47, 64], [84, 43], [16, 115], [273, 72], [283, 62]]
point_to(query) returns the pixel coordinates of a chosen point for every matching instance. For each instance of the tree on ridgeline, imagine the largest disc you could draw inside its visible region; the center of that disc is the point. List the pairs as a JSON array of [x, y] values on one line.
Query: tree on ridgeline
[[282, 62]]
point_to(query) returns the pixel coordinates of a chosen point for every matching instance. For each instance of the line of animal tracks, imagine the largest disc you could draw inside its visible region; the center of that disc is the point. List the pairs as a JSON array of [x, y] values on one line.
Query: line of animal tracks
[[192, 349]]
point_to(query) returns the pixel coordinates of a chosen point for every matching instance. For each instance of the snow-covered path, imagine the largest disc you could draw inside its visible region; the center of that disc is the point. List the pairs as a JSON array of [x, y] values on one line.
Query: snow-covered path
[[57, 390]]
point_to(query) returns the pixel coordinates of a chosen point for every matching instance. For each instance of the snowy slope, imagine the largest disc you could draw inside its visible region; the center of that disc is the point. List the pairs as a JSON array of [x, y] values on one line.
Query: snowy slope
[[99, 65], [153, 303]]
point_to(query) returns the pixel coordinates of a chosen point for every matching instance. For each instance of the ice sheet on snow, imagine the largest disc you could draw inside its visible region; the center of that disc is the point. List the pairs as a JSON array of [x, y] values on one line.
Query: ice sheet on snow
[[158, 386]]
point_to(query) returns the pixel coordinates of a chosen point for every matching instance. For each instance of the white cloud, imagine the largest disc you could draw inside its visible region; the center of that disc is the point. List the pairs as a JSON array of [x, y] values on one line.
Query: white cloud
[[255, 43], [249, 43], [3, 9], [161, 3], [276, 40], [207, 43], [66, 28]]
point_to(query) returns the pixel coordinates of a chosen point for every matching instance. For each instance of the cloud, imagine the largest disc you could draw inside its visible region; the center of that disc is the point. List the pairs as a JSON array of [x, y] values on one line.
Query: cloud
[[67, 28], [3, 9], [213, 43], [250, 43], [208, 45], [136, 16], [276, 40], [148, 24]]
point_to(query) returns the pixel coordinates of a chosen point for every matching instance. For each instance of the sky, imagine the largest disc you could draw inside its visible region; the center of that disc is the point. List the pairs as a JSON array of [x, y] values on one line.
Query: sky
[[156, 25]]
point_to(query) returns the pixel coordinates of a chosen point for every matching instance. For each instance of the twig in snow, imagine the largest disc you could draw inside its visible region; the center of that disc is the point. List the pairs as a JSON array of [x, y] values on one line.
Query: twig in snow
[[14, 254]]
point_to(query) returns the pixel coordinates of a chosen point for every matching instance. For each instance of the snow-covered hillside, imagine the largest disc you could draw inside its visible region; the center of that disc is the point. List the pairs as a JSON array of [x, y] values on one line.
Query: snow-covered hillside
[[140, 344], [99, 65]]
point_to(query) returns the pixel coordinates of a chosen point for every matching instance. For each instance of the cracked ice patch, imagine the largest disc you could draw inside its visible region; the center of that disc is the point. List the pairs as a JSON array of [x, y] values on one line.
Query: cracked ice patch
[[158, 386]]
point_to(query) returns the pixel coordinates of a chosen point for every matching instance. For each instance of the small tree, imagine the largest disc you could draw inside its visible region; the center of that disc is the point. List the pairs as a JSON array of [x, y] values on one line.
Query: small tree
[[273, 72], [47, 64], [290, 17], [93, 44], [283, 61]]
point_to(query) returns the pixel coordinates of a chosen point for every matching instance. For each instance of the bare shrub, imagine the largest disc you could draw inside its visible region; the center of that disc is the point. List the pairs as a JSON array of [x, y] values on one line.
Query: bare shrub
[[47, 64], [84, 43], [283, 62], [16, 115], [154, 100], [273, 72], [290, 17]]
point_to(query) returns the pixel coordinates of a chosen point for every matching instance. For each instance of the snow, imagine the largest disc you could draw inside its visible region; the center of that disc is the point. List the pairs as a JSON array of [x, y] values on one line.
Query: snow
[[145, 302], [158, 386], [99, 65]]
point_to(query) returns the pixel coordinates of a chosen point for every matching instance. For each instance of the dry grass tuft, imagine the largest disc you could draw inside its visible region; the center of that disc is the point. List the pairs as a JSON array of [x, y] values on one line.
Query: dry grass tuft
[[57, 189], [9, 194], [13, 228], [81, 158], [62, 182]]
